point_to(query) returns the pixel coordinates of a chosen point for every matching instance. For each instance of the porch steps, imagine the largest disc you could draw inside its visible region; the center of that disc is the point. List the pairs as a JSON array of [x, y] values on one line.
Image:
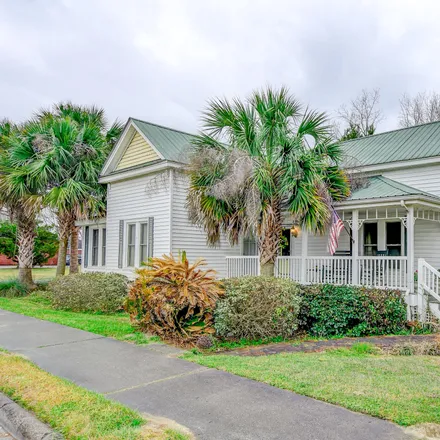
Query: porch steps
[[428, 290]]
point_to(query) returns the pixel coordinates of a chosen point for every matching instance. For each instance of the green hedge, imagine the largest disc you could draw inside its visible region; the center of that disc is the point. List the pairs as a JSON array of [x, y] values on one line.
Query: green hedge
[[89, 292], [329, 310], [258, 307]]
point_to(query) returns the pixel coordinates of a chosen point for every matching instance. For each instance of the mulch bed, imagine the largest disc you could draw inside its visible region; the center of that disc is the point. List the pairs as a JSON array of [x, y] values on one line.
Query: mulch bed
[[317, 346]]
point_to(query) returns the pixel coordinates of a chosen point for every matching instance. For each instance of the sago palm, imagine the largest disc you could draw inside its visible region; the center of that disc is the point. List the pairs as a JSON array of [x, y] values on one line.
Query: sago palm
[[256, 161]]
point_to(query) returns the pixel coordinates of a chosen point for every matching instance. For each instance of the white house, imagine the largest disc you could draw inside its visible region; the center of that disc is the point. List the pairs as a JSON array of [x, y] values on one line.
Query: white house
[[392, 235]]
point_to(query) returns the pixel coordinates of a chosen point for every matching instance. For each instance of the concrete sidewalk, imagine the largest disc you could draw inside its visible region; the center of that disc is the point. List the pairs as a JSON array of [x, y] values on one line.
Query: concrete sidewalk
[[214, 405]]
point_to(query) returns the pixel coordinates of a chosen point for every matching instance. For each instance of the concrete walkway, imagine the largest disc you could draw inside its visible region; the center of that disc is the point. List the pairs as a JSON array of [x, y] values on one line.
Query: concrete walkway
[[214, 405]]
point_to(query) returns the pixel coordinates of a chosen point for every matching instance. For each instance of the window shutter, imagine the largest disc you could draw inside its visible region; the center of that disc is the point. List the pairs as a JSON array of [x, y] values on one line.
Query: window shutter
[[121, 243], [86, 246], [150, 236]]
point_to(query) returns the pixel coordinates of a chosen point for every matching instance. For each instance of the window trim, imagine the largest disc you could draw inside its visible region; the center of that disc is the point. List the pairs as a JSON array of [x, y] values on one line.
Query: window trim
[[103, 247], [98, 228], [137, 251], [127, 244]]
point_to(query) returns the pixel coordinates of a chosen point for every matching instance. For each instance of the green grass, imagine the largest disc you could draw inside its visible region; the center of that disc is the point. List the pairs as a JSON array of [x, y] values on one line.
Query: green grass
[[114, 326], [39, 273], [403, 389], [74, 411]]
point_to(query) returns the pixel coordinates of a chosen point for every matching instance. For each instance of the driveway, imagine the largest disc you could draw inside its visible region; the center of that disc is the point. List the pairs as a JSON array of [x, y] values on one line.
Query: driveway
[[213, 404]]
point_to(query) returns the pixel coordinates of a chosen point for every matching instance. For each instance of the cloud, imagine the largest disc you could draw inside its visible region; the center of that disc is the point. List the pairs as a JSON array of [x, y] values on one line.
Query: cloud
[[162, 60]]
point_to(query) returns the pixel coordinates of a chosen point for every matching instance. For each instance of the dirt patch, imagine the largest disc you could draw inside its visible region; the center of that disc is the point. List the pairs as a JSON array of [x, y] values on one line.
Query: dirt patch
[[317, 346], [425, 431]]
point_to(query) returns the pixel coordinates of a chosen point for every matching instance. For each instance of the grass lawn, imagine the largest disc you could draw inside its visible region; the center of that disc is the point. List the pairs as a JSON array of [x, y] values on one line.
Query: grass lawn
[[74, 411], [39, 273], [403, 389], [114, 326]]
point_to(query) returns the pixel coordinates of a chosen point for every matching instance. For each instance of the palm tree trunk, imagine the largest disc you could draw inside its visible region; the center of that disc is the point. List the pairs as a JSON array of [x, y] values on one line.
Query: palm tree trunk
[[74, 250], [65, 223], [270, 236], [26, 226]]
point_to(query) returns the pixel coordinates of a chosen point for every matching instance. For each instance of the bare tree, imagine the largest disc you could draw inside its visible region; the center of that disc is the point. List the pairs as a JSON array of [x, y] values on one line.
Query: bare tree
[[363, 114], [420, 109]]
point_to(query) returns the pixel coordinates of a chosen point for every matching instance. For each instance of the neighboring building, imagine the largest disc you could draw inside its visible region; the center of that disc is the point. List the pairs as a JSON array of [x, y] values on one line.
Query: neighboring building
[[394, 219]]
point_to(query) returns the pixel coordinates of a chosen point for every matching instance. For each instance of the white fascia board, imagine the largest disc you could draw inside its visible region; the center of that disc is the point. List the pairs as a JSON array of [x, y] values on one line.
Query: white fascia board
[[397, 165], [141, 171], [91, 222], [118, 149], [389, 201]]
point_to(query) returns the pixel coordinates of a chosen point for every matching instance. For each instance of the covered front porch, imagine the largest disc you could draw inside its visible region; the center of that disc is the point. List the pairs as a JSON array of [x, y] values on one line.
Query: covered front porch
[[388, 226]]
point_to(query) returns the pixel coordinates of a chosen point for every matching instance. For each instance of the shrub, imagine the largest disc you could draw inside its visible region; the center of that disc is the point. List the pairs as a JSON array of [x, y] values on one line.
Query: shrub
[[258, 307], [12, 289], [93, 291], [173, 298], [330, 310]]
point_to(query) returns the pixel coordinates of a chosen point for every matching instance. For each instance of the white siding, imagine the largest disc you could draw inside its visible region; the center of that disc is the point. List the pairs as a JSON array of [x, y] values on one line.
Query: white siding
[[427, 242], [317, 245], [192, 239], [425, 178], [138, 199]]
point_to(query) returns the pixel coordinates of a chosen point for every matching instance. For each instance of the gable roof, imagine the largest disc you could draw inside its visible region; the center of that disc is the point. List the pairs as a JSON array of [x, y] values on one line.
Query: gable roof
[[172, 144], [382, 187], [420, 141]]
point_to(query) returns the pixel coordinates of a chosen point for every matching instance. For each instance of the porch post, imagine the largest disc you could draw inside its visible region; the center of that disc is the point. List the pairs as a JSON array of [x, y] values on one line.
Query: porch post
[[410, 247], [355, 246], [304, 251]]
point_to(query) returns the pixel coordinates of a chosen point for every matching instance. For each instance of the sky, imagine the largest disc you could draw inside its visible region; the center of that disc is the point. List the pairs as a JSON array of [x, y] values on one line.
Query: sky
[[162, 60]]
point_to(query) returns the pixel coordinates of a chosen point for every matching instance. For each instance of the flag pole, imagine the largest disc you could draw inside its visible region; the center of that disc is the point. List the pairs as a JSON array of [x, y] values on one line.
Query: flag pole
[[348, 231]]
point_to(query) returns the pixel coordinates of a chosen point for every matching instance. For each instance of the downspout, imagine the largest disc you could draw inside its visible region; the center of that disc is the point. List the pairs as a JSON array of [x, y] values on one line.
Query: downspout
[[170, 216]]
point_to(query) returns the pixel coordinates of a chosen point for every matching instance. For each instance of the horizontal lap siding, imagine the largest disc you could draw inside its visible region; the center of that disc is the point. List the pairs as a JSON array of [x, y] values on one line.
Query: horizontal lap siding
[[137, 152], [192, 239], [425, 178], [427, 242], [137, 199]]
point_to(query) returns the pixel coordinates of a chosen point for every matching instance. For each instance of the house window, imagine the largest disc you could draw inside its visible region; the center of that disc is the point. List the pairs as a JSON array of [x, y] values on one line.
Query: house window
[[131, 245], [143, 245], [250, 246], [394, 238], [370, 239], [104, 245], [95, 246]]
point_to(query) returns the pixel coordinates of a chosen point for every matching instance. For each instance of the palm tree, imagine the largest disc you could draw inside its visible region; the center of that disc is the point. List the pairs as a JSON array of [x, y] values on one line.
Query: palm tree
[[79, 141], [19, 194], [256, 160]]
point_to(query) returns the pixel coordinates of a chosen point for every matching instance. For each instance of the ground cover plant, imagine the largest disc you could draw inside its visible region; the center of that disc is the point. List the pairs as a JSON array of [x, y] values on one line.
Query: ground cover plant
[[359, 378], [174, 298], [71, 410]]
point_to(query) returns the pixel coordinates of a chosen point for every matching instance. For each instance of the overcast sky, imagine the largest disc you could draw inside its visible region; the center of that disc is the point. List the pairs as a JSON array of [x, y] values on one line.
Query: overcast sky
[[160, 60]]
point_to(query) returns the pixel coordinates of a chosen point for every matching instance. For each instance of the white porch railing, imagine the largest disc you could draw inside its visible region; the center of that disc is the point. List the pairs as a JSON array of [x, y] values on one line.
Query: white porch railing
[[391, 272], [382, 272], [428, 290], [242, 266]]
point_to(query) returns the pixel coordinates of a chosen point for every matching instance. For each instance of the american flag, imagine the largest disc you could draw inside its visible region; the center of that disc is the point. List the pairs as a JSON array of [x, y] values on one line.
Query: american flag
[[335, 230]]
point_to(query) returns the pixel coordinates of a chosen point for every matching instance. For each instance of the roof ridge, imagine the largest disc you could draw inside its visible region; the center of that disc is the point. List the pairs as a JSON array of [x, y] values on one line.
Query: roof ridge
[[390, 182], [162, 126], [390, 131]]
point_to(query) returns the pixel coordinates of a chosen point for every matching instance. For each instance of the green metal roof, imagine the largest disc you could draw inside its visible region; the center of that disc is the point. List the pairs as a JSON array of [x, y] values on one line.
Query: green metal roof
[[382, 187], [172, 144], [416, 142]]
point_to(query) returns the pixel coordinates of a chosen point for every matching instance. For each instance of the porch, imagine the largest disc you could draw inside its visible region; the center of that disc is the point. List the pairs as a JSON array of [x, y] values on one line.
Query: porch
[[387, 227]]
